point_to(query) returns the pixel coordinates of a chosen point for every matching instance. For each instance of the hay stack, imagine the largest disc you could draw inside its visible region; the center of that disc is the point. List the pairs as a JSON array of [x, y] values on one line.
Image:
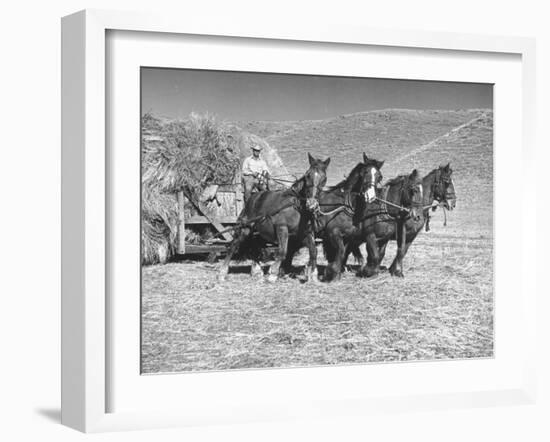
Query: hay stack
[[187, 155], [245, 141]]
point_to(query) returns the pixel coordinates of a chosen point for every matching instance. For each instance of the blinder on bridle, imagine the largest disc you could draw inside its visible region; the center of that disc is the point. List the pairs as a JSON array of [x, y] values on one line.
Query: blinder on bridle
[[314, 180], [374, 173], [415, 189], [443, 189]]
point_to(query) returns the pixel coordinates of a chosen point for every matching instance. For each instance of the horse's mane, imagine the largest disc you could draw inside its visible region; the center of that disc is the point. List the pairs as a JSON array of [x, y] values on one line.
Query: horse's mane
[[345, 181], [297, 185], [432, 172], [396, 180]]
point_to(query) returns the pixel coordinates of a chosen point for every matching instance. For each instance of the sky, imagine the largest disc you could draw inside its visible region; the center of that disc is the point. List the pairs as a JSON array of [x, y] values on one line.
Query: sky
[[247, 96]]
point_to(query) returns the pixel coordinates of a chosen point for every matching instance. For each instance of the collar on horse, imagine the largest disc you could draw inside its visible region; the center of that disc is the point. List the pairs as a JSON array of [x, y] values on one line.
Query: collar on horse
[[346, 207], [426, 208], [386, 203]]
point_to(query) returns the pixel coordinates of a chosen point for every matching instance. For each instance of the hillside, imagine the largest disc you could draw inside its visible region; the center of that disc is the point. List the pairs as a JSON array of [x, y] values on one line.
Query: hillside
[[406, 139], [385, 134]]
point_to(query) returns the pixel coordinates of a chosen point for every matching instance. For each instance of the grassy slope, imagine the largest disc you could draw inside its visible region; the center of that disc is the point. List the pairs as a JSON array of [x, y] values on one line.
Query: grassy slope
[[190, 322], [385, 134], [392, 135]]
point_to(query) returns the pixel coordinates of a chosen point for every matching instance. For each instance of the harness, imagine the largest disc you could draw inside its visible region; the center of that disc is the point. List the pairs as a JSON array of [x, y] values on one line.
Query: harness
[[386, 203], [295, 200], [347, 207], [434, 206]]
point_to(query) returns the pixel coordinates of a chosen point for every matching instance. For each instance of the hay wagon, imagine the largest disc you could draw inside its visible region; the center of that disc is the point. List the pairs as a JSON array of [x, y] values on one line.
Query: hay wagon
[[214, 213], [191, 184]]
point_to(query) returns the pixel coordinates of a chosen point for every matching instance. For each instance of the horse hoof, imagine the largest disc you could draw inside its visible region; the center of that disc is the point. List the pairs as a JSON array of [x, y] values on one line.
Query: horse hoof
[[271, 278], [313, 280], [397, 273], [367, 273], [335, 277], [313, 277], [256, 271]]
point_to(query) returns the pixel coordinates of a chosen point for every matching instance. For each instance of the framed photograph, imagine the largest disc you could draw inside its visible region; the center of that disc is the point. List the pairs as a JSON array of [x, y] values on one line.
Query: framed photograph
[[271, 223]]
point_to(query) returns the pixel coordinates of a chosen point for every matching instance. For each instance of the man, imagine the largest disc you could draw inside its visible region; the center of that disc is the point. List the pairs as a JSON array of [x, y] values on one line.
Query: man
[[254, 173]]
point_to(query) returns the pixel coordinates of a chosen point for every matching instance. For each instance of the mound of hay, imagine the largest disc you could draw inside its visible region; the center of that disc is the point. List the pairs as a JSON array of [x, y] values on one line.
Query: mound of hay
[[187, 155], [191, 154], [159, 215], [245, 141]]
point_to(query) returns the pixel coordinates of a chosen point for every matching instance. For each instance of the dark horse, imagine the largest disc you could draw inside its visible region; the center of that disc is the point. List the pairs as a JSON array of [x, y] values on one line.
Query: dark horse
[[281, 217], [437, 187], [336, 220]]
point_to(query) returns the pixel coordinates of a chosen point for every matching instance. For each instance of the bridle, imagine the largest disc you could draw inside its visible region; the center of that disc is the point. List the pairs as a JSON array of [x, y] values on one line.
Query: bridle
[[436, 196], [347, 207], [406, 210], [436, 189], [375, 178], [310, 202]]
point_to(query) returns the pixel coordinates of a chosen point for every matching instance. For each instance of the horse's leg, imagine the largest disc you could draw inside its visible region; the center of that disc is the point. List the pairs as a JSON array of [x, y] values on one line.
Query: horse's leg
[[292, 248], [408, 241], [329, 252], [311, 268], [333, 270], [282, 239], [255, 255], [396, 269], [256, 269], [373, 258], [381, 253], [233, 247], [346, 256], [354, 249]]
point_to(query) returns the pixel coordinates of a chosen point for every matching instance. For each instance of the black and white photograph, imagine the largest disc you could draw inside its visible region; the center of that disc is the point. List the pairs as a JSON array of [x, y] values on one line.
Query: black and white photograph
[[304, 220]]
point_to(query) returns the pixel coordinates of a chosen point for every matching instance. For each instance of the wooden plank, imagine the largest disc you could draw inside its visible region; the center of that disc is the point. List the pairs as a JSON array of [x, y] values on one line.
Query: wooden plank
[[204, 248], [229, 188], [198, 219], [181, 224], [211, 220]]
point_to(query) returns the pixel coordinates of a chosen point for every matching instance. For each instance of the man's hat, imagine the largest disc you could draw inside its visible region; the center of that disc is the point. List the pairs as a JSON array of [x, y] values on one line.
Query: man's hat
[[257, 147]]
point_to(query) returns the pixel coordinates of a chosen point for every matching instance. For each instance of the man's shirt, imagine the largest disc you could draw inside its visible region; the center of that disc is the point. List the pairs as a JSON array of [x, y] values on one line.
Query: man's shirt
[[252, 166]]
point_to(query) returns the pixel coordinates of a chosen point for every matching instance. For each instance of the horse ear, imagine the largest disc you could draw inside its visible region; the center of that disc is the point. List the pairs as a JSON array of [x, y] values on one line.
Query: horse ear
[[414, 174], [311, 159], [365, 158], [448, 167], [380, 164], [326, 162]]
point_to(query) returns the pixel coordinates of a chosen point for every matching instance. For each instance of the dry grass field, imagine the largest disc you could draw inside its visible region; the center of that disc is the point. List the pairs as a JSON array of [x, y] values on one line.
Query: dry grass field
[[442, 309]]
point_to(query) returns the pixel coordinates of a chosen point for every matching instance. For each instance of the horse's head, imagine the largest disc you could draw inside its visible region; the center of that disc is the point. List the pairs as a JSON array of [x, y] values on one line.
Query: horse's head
[[372, 177], [412, 194], [443, 187], [313, 181]]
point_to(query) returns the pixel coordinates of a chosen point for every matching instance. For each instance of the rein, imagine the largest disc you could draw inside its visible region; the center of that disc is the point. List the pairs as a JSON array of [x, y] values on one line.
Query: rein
[[254, 220], [295, 196], [281, 181], [389, 203], [397, 206], [433, 207]]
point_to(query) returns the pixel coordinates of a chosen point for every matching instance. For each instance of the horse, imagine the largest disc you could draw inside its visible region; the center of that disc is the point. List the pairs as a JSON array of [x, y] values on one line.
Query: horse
[[281, 217], [437, 186], [335, 219]]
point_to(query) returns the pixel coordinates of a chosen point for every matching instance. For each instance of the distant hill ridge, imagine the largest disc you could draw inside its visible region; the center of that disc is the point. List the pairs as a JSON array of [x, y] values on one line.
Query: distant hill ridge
[[386, 134], [405, 139]]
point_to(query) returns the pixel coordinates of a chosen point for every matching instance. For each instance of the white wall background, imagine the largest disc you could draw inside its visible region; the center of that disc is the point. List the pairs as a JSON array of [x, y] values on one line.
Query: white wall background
[[30, 220]]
